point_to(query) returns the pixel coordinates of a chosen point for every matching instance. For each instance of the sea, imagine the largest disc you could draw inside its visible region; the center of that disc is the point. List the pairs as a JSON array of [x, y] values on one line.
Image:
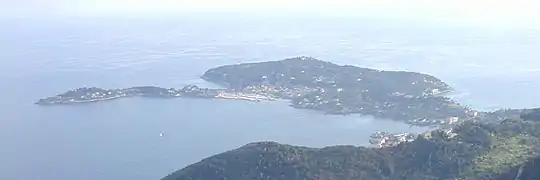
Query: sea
[[146, 139]]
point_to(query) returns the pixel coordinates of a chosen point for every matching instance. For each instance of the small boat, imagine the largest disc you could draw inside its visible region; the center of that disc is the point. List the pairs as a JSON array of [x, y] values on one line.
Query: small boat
[[160, 134]]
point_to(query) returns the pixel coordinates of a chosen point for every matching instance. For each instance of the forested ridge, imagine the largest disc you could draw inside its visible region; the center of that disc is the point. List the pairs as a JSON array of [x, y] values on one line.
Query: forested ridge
[[487, 149]]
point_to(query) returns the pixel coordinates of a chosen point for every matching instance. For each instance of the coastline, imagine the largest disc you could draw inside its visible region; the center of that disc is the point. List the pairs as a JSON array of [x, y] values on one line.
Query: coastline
[[87, 96], [414, 98], [80, 101], [251, 96]]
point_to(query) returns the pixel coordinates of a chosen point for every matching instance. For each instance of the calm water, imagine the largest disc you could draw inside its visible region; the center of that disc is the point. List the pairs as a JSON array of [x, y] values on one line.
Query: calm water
[[120, 139]]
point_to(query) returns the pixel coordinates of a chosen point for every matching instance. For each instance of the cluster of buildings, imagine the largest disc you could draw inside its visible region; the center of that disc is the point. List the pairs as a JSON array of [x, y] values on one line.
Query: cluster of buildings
[[82, 95], [385, 139], [470, 114], [278, 91]]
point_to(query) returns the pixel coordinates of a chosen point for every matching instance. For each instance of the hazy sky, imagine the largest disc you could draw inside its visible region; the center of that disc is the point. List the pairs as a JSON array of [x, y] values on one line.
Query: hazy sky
[[473, 11]]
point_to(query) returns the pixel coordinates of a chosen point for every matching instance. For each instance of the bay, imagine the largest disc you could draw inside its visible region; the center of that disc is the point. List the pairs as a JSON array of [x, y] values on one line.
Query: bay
[[121, 139]]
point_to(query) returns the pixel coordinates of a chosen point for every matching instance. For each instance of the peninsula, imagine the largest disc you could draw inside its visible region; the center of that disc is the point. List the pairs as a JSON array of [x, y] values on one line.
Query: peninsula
[[343, 89], [87, 95], [310, 83]]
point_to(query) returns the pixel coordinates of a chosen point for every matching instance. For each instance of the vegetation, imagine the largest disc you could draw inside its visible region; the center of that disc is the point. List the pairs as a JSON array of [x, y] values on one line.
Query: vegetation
[[312, 84], [472, 150], [336, 89], [310, 72], [505, 152], [531, 115], [529, 169], [525, 171]]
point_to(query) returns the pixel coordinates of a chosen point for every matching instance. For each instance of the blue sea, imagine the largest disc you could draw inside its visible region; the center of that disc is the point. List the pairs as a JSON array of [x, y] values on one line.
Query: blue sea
[[489, 68]]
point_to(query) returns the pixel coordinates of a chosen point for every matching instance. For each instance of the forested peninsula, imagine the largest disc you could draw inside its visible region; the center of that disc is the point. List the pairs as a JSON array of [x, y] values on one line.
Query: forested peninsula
[[309, 83]]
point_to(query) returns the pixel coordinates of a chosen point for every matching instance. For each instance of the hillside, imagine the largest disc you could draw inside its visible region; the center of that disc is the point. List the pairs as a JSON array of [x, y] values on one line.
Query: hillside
[[530, 169], [473, 150], [525, 171]]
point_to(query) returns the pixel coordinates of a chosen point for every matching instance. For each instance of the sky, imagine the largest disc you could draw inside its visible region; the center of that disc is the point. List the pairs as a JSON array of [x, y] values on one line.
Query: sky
[[472, 11]]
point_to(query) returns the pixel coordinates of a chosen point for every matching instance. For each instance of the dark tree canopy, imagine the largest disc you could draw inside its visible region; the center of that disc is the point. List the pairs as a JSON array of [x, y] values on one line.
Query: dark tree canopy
[[531, 115], [477, 150]]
